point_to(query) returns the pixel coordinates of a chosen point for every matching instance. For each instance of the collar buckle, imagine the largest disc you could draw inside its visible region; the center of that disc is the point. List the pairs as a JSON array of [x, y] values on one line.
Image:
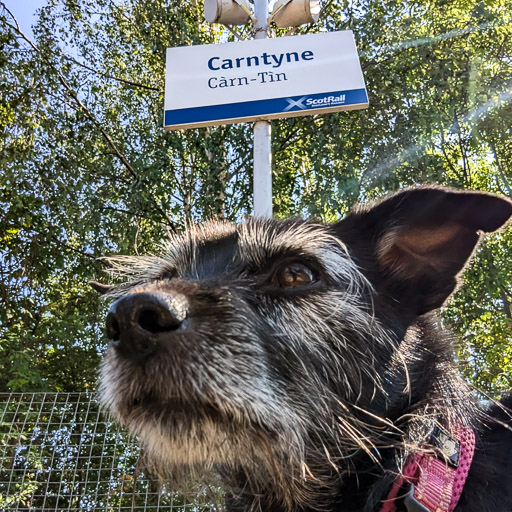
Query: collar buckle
[[412, 504]]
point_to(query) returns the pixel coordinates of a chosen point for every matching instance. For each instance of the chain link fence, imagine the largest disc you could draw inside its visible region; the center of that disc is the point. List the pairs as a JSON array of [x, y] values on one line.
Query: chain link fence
[[58, 453]]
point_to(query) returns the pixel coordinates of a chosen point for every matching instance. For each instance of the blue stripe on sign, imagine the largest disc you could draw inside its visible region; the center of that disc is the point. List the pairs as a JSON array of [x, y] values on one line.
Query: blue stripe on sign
[[264, 107]]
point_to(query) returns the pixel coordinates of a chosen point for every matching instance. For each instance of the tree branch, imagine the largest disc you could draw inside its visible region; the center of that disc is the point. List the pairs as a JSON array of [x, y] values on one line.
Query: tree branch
[[111, 77], [88, 114]]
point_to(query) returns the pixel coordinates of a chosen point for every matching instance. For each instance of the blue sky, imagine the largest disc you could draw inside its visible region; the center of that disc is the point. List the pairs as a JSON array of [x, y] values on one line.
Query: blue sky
[[24, 11]]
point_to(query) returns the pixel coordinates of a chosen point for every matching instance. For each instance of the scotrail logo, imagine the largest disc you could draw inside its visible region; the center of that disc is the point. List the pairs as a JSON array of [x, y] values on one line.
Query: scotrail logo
[[295, 103], [305, 102]]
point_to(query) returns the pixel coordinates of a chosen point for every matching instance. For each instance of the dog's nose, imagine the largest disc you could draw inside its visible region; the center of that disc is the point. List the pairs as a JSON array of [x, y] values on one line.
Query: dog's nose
[[137, 320]]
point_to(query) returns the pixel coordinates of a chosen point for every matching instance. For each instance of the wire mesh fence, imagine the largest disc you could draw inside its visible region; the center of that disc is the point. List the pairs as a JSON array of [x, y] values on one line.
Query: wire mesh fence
[[58, 453]]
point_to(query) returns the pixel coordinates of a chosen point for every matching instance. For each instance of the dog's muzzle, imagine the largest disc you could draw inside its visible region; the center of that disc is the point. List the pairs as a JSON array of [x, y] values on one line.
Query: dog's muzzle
[[138, 322]]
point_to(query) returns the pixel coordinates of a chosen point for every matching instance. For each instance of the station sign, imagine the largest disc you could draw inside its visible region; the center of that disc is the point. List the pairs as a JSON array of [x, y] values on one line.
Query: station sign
[[262, 79]]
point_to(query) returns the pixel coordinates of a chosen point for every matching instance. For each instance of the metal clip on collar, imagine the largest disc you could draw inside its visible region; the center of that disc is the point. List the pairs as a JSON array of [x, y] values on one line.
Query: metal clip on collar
[[412, 504]]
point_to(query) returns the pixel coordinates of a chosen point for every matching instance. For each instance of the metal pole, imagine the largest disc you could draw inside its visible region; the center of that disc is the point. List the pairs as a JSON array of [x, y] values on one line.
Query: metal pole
[[262, 183]]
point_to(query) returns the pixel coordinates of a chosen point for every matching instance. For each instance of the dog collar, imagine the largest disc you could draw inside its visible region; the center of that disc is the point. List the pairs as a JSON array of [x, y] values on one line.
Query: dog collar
[[436, 481]]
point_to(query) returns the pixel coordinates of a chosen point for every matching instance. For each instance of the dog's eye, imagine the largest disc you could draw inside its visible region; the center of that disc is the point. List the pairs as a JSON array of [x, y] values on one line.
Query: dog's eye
[[293, 275]]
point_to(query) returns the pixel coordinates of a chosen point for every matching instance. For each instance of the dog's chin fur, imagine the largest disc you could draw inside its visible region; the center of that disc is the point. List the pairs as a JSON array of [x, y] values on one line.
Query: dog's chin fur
[[190, 451], [250, 449], [307, 398], [190, 444]]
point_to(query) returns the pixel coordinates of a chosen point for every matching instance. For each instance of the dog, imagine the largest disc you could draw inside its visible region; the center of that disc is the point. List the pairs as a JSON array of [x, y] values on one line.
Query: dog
[[304, 367]]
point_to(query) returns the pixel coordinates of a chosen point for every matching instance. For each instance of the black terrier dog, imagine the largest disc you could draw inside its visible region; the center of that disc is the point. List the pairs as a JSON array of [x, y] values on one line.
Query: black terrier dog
[[302, 365]]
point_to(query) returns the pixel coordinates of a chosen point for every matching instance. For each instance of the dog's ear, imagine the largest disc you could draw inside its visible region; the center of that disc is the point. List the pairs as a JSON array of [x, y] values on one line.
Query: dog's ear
[[416, 242]]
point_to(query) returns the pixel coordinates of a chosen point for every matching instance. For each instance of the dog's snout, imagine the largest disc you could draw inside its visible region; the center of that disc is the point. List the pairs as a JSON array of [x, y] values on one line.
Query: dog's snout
[[137, 319]]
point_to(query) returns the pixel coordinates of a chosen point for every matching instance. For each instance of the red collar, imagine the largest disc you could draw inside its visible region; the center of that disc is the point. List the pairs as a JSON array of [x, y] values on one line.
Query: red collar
[[436, 481]]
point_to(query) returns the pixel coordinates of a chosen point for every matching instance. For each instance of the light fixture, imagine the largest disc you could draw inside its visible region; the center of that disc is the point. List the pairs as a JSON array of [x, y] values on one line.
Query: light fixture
[[227, 12], [292, 13]]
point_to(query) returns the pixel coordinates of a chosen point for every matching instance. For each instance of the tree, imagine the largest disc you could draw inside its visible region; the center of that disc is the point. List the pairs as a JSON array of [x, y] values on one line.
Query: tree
[[88, 171]]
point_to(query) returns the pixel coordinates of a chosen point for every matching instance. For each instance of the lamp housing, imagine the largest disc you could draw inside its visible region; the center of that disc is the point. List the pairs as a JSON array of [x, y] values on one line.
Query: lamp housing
[[227, 12], [292, 13]]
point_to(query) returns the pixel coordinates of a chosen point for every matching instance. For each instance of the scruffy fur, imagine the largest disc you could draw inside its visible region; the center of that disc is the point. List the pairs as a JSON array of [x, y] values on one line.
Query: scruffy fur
[[305, 395]]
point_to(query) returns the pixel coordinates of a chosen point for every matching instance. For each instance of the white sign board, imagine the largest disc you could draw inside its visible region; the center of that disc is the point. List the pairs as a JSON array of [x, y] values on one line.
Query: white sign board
[[262, 79]]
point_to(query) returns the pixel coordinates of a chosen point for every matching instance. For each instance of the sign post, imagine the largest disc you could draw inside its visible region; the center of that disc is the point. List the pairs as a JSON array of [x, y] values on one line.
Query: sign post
[[262, 153], [262, 79]]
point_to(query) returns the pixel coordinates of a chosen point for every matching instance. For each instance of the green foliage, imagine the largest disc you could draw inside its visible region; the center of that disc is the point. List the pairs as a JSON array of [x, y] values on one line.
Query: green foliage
[[88, 171]]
